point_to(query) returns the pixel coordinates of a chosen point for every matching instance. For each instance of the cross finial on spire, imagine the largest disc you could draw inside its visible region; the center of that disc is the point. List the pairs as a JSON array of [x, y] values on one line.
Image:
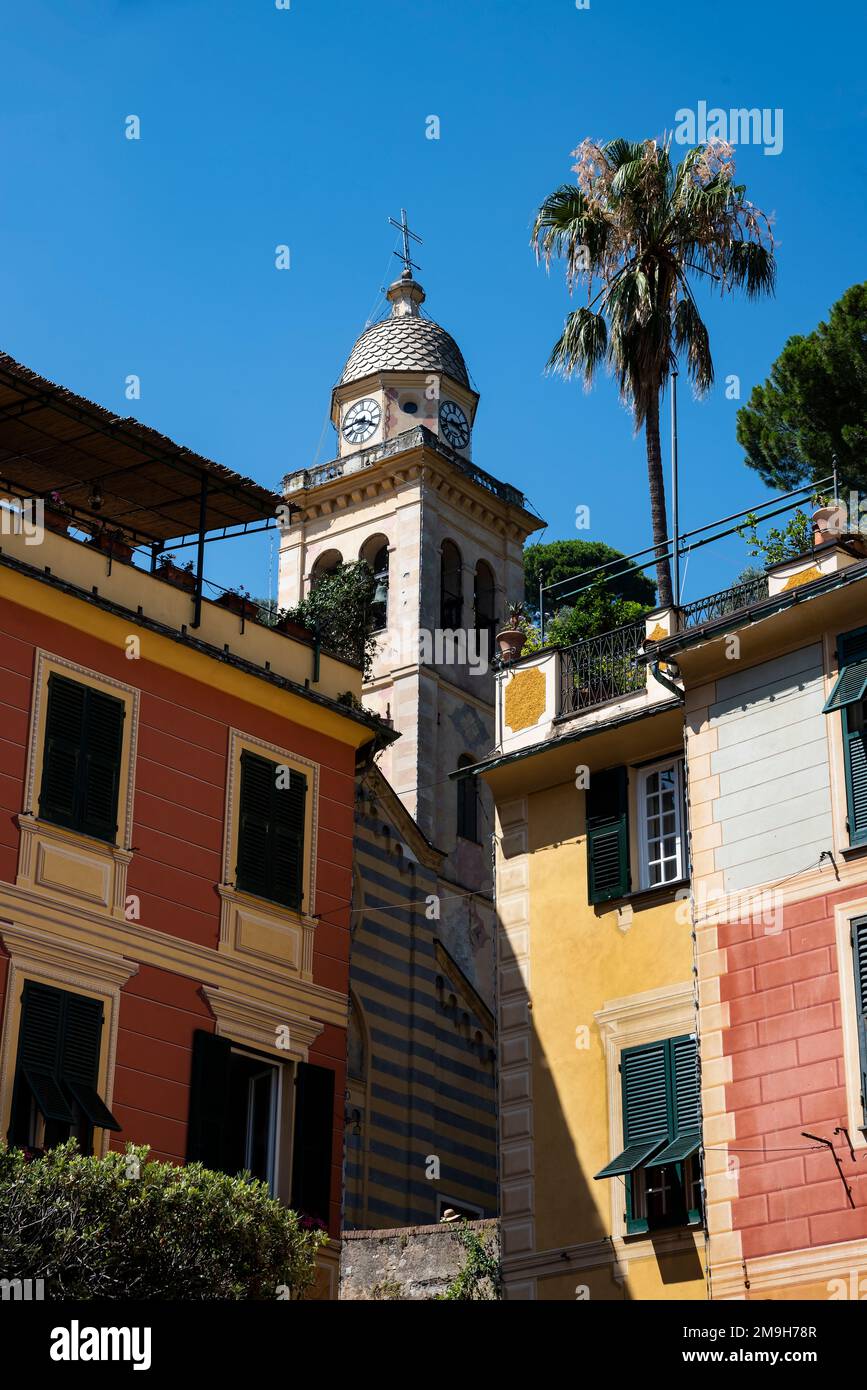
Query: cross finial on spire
[[403, 226]]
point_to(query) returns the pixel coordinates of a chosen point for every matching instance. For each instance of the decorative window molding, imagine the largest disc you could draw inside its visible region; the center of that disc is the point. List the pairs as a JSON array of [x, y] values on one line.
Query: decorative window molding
[[844, 915], [629, 1022], [238, 742], [46, 663], [651, 845], [259, 1024], [67, 965]]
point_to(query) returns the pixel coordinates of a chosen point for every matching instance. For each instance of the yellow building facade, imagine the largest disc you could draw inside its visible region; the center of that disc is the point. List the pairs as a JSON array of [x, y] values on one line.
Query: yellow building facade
[[598, 1074]]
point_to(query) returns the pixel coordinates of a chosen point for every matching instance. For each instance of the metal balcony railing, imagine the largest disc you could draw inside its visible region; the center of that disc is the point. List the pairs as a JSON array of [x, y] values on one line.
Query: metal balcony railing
[[725, 601], [601, 668]]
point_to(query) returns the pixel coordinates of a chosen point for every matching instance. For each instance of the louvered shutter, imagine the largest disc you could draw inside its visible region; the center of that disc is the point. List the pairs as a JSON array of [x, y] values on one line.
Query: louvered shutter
[[686, 1104], [258, 777], [209, 1081], [104, 716], [851, 652], [644, 1076], [82, 756], [79, 1061], [859, 951], [64, 737], [39, 1045], [271, 832], [607, 836], [313, 1141], [855, 752], [288, 841]]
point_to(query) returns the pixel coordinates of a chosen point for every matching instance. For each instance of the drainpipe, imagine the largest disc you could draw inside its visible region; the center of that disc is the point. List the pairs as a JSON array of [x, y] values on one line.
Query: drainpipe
[[663, 680]]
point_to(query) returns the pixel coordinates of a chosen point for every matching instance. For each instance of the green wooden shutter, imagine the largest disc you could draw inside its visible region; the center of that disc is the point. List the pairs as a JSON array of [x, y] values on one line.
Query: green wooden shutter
[[687, 1093], [104, 716], [312, 1141], [64, 739], [646, 1092], [859, 950], [254, 825], [38, 1070], [271, 832], [287, 843], [81, 762], [851, 649], [79, 1059], [607, 836], [209, 1080]]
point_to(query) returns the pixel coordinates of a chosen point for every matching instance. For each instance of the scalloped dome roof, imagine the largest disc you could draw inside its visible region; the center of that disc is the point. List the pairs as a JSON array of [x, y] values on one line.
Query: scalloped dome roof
[[405, 341]]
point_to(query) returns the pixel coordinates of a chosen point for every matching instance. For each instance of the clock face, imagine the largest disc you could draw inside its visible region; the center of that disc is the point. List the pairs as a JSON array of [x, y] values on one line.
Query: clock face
[[454, 424], [361, 421]]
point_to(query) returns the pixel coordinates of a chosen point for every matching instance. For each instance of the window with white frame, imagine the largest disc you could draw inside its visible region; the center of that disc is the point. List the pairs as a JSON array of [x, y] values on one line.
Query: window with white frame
[[660, 822]]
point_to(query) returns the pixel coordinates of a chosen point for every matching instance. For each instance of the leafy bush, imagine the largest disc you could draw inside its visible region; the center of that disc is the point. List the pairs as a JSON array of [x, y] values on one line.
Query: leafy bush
[[121, 1227], [339, 608], [479, 1279]]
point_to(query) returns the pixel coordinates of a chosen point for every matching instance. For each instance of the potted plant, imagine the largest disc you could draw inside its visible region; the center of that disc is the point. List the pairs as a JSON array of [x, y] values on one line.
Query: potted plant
[[239, 601], [180, 575], [57, 513], [512, 638], [291, 628], [112, 541]]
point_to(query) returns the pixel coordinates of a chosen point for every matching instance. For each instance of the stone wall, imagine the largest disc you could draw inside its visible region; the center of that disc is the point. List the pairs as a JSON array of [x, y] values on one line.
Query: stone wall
[[412, 1262]]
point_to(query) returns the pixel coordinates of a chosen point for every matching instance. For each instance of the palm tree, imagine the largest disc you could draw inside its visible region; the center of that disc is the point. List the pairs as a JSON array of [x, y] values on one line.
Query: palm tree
[[633, 228]]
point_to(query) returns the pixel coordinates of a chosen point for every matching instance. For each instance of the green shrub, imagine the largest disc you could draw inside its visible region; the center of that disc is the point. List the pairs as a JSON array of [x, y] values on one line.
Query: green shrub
[[123, 1227]]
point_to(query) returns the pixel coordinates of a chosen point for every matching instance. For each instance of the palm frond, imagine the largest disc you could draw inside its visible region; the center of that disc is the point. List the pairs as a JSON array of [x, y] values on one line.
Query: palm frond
[[581, 347]]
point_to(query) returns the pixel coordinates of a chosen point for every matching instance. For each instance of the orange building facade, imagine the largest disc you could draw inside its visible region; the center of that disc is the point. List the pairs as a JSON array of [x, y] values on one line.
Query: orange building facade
[[176, 838]]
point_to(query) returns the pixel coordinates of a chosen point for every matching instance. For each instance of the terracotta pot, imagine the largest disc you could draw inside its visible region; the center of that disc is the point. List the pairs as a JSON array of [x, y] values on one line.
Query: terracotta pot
[[829, 524], [511, 643], [174, 574], [291, 629], [237, 603], [57, 521], [114, 546]]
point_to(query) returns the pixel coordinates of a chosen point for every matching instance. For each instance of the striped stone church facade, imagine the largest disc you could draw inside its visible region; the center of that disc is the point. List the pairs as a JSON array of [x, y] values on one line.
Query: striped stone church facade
[[421, 1126]]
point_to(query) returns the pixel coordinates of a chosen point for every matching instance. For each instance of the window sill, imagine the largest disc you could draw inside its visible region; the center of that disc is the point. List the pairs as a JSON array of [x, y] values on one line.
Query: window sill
[[854, 850], [645, 896], [60, 863], [251, 926]]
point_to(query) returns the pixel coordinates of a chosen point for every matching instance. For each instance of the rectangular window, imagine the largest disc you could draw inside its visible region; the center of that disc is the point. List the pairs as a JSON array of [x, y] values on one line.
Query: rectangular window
[[271, 831], [661, 1135], [607, 836], [55, 1094], [859, 954], [239, 1119], [849, 696], [468, 804], [660, 820], [81, 758]]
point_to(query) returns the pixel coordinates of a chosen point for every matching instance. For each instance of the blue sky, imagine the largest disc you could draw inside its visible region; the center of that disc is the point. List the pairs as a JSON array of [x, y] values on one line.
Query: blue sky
[[306, 127]]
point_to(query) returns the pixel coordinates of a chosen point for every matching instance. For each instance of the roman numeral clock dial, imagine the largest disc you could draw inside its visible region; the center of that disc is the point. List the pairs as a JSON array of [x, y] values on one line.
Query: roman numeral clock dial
[[454, 425], [361, 421]]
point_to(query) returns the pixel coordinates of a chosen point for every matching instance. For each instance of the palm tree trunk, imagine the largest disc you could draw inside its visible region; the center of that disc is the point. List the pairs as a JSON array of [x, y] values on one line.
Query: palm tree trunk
[[656, 487]]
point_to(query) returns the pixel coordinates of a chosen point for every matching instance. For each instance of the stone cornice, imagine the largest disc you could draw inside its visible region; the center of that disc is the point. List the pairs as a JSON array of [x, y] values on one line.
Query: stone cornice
[[77, 927]]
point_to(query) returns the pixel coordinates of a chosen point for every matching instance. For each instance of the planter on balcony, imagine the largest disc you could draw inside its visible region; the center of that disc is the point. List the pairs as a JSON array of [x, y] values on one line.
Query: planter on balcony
[[240, 604], [178, 575], [293, 629], [511, 643], [112, 543], [57, 521]]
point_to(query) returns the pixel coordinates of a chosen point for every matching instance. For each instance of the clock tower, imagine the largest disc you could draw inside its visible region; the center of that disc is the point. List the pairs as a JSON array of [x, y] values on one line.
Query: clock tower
[[445, 540]]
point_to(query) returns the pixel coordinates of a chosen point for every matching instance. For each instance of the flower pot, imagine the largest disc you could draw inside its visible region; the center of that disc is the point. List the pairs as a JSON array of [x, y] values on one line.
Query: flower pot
[[511, 643], [237, 603], [56, 521], [113, 545], [175, 574], [292, 629]]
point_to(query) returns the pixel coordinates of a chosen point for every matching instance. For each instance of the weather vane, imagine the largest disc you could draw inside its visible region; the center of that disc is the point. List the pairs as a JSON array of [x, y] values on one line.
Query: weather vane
[[403, 227]]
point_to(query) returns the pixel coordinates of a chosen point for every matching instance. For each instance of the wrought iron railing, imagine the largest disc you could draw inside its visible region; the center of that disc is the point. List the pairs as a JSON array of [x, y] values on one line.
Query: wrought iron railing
[[601, 668], [718, 605]]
